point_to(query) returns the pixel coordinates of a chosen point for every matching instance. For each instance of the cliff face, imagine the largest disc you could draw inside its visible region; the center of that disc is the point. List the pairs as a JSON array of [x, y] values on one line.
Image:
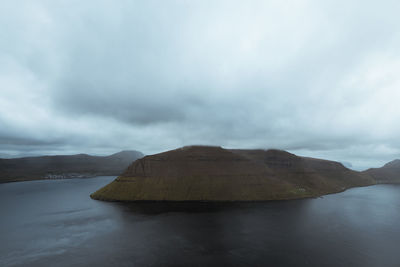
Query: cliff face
[[200, 173], [58, 167], [389, 173]]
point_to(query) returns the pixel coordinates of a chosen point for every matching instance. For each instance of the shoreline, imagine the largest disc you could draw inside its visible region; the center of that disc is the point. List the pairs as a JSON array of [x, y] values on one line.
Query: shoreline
[[234, 201]]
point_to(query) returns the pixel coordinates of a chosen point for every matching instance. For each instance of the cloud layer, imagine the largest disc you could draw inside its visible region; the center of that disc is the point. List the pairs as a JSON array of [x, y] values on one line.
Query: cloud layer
[[315, 78]]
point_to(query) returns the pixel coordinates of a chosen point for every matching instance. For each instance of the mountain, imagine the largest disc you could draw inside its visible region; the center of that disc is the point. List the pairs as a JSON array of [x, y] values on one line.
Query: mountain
[[347, 164], [201, 173], [58, 167], [389, 173]]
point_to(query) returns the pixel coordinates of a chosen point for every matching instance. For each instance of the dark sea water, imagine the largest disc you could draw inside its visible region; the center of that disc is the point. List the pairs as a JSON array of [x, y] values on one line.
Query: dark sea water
[[55, 223]]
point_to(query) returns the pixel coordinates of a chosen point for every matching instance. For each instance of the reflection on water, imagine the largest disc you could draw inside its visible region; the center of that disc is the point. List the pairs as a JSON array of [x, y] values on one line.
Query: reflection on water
[[47, 223]]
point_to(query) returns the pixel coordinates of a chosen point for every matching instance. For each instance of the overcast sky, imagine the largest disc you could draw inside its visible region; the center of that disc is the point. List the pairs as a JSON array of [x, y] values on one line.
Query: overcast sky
[[317, 78]]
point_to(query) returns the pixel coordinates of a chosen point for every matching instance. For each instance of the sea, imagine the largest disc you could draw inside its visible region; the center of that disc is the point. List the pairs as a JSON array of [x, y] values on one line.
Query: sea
[[56, 223]]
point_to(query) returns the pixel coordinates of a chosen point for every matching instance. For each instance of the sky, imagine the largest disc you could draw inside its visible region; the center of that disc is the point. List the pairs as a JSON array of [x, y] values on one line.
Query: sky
[[316, 78]]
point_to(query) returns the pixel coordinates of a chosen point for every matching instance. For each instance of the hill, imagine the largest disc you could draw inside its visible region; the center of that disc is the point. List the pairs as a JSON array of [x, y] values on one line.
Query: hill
[[59, 167], [389, 173], [200, 173]]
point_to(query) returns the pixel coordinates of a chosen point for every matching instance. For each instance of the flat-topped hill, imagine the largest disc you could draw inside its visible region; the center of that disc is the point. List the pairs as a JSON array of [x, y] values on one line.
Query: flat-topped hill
[[202, 173], [65, 166], [389, 173]]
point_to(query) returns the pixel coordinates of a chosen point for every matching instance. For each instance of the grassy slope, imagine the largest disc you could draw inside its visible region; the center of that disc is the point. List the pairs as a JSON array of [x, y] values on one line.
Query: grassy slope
[[198, 189]]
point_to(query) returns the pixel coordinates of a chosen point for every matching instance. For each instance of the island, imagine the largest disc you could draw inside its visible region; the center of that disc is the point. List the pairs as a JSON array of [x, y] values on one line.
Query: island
[[207, 173]]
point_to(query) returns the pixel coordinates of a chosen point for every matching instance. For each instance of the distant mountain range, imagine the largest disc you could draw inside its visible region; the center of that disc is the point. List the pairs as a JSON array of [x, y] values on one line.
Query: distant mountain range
[[389, 173], [201, 173], [71, 166]]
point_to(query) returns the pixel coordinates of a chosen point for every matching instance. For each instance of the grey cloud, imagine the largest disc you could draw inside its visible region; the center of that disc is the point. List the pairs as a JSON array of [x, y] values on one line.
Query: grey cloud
[[11, 140], [316, 78]]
